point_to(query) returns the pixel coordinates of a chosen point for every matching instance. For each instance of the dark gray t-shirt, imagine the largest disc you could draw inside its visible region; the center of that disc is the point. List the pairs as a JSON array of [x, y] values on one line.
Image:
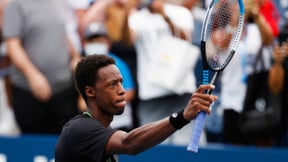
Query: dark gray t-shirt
[[40, 25], [83, 139]]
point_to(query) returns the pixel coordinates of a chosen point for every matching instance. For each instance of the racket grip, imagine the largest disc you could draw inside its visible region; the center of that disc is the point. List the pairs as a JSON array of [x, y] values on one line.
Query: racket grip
[[196, 132]]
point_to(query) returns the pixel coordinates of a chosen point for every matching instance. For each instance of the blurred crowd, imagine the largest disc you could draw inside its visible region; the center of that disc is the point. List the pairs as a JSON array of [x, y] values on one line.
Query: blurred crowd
[[42, 40]]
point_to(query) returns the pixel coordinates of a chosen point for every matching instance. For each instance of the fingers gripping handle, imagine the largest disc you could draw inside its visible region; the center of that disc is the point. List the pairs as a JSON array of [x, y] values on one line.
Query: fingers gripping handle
[[196, 132], [200, 121]]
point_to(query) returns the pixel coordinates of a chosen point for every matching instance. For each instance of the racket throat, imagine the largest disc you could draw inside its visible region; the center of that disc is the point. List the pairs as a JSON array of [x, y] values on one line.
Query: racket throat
[[214, 79], [205, 77]]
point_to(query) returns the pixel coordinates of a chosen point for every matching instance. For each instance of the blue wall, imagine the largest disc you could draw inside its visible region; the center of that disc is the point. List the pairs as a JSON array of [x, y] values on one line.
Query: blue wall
[[26, 148], [218, 153]]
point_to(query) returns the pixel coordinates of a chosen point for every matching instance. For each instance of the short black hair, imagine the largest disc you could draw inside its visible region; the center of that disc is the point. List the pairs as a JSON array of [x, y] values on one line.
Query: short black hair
[[86, 72]]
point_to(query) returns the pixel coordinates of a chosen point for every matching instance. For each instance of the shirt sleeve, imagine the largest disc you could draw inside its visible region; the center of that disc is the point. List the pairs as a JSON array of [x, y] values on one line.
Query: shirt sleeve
[[79, 4], [272, 16], [92, 139], [12, 21]]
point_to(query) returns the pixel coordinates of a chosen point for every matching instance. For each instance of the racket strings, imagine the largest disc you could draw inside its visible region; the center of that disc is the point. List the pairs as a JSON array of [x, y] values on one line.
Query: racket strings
[[222, 34]]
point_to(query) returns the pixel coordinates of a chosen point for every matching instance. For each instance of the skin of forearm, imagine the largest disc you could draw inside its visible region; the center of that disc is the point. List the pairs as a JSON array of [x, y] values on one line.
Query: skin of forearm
[[154, 8], [72, 51], [175, 31], [126, 36], [146, 136], [276, 78], [96, 13], [265, 30], [19, 57]]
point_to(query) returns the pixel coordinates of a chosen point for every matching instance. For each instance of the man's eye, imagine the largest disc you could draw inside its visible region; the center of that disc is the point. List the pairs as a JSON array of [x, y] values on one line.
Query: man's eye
[[112, 84]]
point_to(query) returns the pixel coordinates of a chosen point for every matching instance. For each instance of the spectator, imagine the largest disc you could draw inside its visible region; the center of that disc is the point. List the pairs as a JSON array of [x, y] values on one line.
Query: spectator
[[278, 78], [8, 124], [97, 41], [42, 62]]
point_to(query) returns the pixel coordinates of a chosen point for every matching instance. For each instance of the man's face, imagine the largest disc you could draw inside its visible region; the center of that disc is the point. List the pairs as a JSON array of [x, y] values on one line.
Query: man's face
[[110, 94]]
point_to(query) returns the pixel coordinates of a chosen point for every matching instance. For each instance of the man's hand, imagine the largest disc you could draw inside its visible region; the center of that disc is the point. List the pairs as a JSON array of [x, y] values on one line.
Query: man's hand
[[40, 86], [199, 101]]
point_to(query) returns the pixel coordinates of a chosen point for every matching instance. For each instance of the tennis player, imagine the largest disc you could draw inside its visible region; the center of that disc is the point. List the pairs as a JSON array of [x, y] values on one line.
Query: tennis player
[[88, 136]]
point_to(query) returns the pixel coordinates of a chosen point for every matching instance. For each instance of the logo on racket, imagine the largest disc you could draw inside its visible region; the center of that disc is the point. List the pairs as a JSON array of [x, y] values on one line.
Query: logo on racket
[[215, 57]]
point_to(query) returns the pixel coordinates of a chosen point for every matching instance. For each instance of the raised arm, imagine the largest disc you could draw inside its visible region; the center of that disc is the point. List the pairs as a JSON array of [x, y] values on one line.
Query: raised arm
[[265, 30], [277, 73], [252, 10], [73, 53], [96, 13], [149, 135], [158, 7]]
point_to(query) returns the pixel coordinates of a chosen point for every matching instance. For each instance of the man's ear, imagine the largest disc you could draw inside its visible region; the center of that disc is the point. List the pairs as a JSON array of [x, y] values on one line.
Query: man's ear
[[90, 91]]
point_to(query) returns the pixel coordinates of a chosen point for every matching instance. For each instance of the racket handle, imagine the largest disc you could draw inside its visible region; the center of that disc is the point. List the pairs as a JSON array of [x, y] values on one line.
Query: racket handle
[[196, 132]]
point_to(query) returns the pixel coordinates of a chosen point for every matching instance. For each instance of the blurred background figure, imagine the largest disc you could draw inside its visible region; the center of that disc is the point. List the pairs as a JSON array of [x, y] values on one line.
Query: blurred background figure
[[278, 79], [98, 42], [8, 124], [42, 57], [282, 7], [256, 34], [198, 12]]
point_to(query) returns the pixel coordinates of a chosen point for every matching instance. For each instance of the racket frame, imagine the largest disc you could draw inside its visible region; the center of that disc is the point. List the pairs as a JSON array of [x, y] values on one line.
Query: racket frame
[[200, 118]]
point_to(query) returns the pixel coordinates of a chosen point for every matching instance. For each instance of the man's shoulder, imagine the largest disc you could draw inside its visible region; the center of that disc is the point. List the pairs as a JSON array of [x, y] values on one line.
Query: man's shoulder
[[80, 123]]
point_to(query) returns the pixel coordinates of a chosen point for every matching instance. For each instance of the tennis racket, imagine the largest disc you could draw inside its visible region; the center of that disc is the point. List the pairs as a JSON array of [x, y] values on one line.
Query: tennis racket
[[220, 36]]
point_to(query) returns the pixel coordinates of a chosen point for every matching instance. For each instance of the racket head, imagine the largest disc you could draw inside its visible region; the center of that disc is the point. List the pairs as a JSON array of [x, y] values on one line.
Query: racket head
[[221, 33]]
